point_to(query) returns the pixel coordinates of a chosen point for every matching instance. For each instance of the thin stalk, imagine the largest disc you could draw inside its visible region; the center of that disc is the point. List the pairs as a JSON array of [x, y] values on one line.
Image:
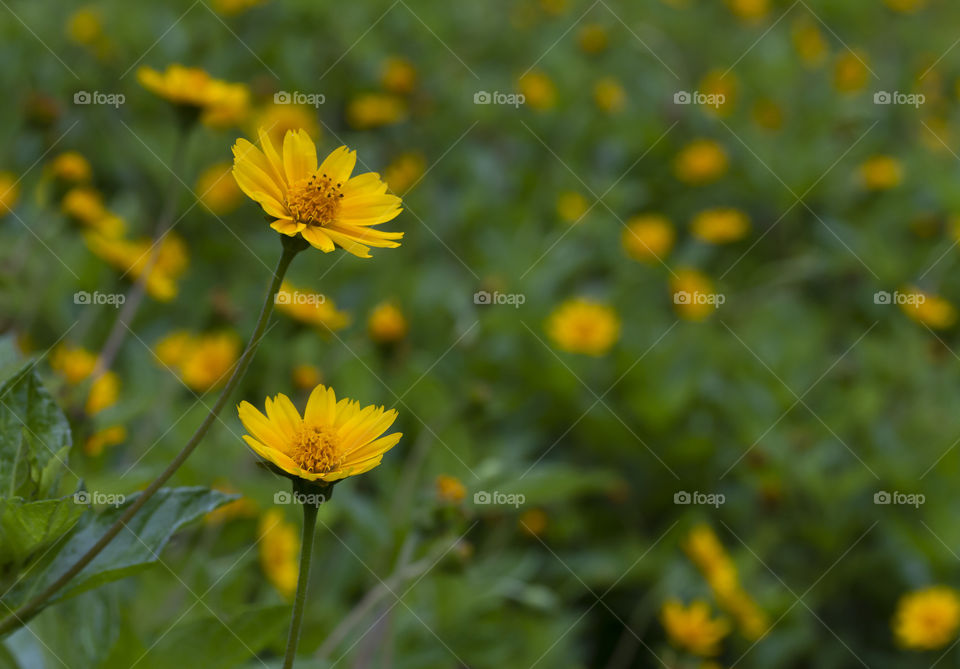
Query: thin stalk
[[306, 551], [291, 246]]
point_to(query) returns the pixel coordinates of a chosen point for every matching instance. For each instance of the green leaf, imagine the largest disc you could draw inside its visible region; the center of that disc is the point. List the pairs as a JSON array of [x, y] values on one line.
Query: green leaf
[[136, 547], [28, 527], [34, 438]]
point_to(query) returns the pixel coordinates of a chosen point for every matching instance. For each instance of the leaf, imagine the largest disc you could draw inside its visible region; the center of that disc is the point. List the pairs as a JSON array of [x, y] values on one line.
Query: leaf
[[134, 549], [28, 527], [34, 438], [216, 642]]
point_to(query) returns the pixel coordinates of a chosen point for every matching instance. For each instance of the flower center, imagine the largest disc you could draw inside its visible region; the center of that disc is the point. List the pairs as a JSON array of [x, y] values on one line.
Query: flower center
[[315, 450], [315, 200]]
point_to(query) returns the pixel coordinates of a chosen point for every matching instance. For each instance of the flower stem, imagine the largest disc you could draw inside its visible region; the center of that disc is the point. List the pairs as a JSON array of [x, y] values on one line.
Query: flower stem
[[310, 509], [18, 618]]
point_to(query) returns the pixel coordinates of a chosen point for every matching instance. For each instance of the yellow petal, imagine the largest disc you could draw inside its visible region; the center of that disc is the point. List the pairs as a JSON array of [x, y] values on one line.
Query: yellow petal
[[273, 455], [286, 227], [299, 155], [339, 164], [318, 239], [261, 428], [273, 158], [284, 415]]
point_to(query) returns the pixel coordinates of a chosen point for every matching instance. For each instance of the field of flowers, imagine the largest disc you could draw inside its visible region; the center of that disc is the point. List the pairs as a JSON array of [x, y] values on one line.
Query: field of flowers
[[543, 333]]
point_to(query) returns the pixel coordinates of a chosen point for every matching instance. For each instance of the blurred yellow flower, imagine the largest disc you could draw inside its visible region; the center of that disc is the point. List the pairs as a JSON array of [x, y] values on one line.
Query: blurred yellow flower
[[103, 393], [881, 173], [372, 110], [927, 619], [85, 26], [209, 359], [450, 490], [331, 441], [387, 323], [132, 258], [306, 376], [398, 75], [572, 206], [220, 104], [720, 225], [721, 89], [9, 193], [609, 95], [749, 10], [648, 237], [700, 162], [693, 295], [85, 206], [582, 325], [906, 6], [279, 548], [110, 436], [534, 521], [324, 204], [217, 189], [173, 348], [850, 72], [404, 171], [310, 308], [277, 119], [808, 42], [70, 167], [75, 365], [538, 90], [691, 628], [592, 38], [931, 310], [234, 7]]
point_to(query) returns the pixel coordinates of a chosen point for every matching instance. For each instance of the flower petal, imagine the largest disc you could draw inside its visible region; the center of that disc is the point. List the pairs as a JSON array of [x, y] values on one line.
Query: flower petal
[[339, 164], [299, 155]]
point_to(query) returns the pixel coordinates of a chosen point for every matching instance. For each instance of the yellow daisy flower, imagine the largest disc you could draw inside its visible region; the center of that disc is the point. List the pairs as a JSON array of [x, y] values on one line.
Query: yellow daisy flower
[[450, 490], [310, 308], [386, 323], [692, 628], [372, 110], [648, 237], [583, 326], [331, 441], [720, 225], [279, 547], [9, 193], [324, 204], [927, 619], [221, 103], [217, 190], [70, 167]]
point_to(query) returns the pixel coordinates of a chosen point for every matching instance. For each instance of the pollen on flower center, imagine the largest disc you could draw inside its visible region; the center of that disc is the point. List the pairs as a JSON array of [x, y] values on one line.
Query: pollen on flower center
[[315, 200], [315, 450]]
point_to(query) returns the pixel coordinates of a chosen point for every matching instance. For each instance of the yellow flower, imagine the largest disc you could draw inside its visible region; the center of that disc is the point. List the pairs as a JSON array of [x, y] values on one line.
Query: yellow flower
[[333, 440], [693, 295], [310, 308], [647, 237], [538, 90], [84, 26], [172, 349], [749, 10], [583, 326], [931, 310], [405, 171], [372, 110], [324, 204], [201, 361], [110, 436], [721, 88], [73, 363], [850, 72], [720, 226], [103, 393], [700, 162], [306, 376], [9, 193], [593, 38], [691, 628], [277, 119], [217, 189], [132, 257], [927, 619], [234, 7], [70, 167], [244, 507], [220, 103], [808, 42], [572, 206], [279, 549], [609, 95], [881, 173], [450, 490], [906, 6], [398, 75], [534, 521], [387, 323]]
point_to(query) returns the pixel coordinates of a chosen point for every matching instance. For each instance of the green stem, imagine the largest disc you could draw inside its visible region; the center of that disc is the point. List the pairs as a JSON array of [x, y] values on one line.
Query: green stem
[[306, 551], [18, 618]]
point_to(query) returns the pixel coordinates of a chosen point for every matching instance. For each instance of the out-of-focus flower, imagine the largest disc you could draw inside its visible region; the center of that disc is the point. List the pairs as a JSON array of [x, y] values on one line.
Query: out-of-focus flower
[[927, 619], [173, 348], [331, 441], [85, 26], [234, 7], [373, 110], [931, 310], [534, 521], [750, 11], [906, 6], [306, 376], [310, 308], [721, 91], [110, 436], [450, 490], [881, 173], [277, 119], [387, 323], [75, 365], [201, 361], [700, 162], [218, 190], [693, 294], [132, 257], [103, 393], [582, 325], [592, 38], [850, 72], [648, 237], [572, 206], [767, 114], [398, 75], [720, 226], [279, 548], [405, 170], [691, 628], [609, 95], [538, 90], [85, 206], [808, 42], [9, 193], [324, 204], [219, 103], [555, 7], [70, 167]]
